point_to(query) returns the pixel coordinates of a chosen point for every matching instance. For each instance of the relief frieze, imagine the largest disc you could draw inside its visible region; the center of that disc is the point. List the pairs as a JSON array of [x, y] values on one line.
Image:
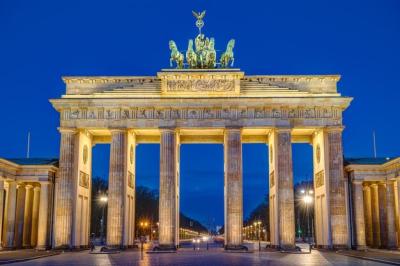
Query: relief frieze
[[231, 113], [205, 85]]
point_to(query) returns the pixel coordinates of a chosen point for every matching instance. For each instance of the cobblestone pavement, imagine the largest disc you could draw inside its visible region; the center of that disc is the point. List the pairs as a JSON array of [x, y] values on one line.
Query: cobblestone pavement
[[22, 254], [199, 257], [375, 254]]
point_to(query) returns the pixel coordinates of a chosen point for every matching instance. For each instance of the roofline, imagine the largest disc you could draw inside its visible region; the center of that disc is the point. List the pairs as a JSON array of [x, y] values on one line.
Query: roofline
[[335, 77], [369, 166]]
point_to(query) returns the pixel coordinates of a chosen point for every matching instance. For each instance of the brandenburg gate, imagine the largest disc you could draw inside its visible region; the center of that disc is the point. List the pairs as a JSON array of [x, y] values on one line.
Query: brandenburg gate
[[201, 101]]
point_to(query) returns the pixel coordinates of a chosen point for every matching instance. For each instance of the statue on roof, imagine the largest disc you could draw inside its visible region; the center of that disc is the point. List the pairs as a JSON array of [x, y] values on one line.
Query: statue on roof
[[201, 53], [176, 56]]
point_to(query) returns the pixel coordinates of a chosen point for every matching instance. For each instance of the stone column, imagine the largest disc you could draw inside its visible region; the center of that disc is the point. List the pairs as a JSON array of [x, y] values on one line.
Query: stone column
[[20, 215], [382, 214], [368, 216], [168, 186], [398, 210], [281, 189], [10, 222], [337, 201], [35, 216], [64, 189], [285, 189], [42, 227], [391, 218], [2, 210], [358, 211], [233, 188], [375, 216], [115, 211], [28, 216]]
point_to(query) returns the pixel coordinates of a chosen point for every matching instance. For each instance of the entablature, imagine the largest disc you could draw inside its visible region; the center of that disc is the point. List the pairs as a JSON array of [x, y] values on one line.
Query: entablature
[[200, 83]]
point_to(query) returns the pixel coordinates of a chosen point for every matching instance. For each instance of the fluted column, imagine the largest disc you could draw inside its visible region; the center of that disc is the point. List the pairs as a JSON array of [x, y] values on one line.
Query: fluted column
[[42, 227], [233, 188], [337, 200], [28, 216], [2, 210], [10, 222], [35, 215], [398, 210], [375, 216], [21, 193], [64, 189], [358, 208], [368, 216], [391, 218], [285, 189], [382, 214], [115, 215], [168, 186], [282, 224]]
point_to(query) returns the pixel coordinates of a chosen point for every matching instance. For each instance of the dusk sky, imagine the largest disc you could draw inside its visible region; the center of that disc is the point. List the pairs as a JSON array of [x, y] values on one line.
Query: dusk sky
[[40, 41]]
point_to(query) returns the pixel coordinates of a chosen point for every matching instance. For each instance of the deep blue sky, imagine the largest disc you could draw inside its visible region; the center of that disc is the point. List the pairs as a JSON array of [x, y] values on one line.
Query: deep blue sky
[[42, 40]]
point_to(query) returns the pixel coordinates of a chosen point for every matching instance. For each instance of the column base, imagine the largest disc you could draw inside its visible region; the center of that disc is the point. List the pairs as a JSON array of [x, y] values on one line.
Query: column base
[[325, 247], [288, 248], [62, 247], [236, 247], [336, 247], [72, 248], [8, 248], [361, 248], [41, 248], [271, 246], [115, 247], [163, 247]]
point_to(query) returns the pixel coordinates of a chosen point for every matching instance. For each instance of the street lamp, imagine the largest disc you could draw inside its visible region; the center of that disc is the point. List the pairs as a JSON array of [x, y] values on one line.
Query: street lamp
[[307, 200], [103, 201], [258, 223]]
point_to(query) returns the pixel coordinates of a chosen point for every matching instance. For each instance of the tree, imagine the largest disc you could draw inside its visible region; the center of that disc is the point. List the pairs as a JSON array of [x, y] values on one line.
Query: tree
[[99, 188]]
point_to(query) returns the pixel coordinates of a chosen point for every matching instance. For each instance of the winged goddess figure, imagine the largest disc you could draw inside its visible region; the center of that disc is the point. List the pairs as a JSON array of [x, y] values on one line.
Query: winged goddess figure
[[199, 16]]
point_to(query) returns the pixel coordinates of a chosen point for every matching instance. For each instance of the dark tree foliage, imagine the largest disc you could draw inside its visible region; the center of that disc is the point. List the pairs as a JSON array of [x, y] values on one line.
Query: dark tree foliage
[[99, 188], [146, 209], [260, 213], [146, 206], [189, 223]]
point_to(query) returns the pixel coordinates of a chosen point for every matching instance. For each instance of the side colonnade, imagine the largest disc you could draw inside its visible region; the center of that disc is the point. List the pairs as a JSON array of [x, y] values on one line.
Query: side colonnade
[[72, 199], [26, 194], [375, 211]]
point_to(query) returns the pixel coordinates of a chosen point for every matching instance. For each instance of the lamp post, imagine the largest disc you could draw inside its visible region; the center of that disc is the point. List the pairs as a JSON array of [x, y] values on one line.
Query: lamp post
[[307, 200], [103, 201], [257, 226]]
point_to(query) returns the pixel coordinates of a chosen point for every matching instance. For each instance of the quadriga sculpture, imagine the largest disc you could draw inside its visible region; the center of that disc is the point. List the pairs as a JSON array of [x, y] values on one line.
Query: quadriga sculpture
[[176, 56], [227, 56], [191, 56]]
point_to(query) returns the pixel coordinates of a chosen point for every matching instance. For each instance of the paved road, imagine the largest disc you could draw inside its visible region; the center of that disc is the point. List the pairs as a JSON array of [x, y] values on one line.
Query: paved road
[[200, 258]]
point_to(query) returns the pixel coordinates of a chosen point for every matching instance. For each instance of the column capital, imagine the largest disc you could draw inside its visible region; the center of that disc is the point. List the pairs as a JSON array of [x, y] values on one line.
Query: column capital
[[366, 186], [36, 188], [282, 129], [334, 129], [20, 184], [67, 130], [166, 129], [374, 185], [390, 181], [28, 186], [118, 130], [381, 183]]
